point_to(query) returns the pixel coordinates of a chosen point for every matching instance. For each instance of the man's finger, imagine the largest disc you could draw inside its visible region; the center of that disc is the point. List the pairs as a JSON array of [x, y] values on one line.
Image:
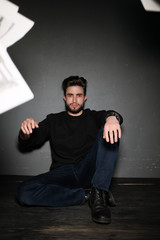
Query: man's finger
[[32, 124], [24, 129], [111, 137], [115, 136], [119, 132], [30, 127], [106, 135]]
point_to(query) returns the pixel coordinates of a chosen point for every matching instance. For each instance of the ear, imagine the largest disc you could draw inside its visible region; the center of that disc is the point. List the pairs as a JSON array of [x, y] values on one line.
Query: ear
[[64, 98], [85, 98]]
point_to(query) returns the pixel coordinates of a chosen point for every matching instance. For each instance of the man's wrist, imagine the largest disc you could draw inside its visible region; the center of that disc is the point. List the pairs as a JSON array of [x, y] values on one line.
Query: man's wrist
[[23, 136], [115, 114]]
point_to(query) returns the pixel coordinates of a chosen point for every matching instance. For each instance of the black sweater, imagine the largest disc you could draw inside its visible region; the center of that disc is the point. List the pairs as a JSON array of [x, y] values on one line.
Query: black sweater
[[70, 137]]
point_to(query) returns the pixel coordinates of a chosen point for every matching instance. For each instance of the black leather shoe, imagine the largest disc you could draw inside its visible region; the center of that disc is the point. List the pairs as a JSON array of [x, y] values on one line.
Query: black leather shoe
[[87, 194], [111, 201], [98, 201]]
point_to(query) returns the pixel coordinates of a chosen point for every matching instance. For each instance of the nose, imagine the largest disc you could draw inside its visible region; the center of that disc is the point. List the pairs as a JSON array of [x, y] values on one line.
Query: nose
[[74, 98]]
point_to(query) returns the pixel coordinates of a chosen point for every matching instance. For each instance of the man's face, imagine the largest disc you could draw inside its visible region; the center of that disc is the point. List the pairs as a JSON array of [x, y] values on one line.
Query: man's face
[[74, 100]]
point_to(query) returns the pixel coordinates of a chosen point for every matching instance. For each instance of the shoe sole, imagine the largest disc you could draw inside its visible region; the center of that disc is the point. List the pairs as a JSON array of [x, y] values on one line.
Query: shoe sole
[[102, 220]]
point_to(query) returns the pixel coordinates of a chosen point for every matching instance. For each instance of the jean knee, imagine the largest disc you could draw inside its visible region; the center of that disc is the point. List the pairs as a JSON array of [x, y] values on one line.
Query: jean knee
[[23, 196]]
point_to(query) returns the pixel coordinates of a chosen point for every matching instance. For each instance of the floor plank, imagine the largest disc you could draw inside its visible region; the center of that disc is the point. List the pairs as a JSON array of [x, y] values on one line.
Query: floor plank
[[136, 215]]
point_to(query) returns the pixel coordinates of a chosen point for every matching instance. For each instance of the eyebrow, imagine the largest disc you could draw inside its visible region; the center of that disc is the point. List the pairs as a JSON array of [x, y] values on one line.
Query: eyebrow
[[76, 94]]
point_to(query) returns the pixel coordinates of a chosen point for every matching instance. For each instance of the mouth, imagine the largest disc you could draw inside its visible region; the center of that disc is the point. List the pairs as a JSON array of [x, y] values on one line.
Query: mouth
[[74, 105]]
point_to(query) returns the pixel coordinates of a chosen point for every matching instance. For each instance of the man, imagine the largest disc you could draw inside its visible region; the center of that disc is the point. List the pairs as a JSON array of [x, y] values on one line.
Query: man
[[84, 147]]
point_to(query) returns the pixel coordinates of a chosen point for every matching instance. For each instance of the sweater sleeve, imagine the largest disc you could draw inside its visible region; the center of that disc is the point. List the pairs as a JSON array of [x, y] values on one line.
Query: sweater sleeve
[[101, 116], [37, 139], [116, 114]]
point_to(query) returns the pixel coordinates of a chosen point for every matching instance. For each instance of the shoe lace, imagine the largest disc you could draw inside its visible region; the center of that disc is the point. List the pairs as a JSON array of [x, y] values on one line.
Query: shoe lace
[[99, 198]]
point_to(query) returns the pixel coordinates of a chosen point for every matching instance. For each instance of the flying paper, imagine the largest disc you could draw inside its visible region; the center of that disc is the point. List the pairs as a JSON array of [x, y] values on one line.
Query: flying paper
[[13, 26], [151, 5]]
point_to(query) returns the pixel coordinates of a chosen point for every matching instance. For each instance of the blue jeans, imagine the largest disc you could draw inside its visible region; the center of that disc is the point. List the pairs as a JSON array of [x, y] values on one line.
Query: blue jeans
[[64, 186]]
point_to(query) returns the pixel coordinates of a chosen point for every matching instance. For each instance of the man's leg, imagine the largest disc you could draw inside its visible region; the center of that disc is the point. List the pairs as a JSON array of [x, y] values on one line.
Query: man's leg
[[59, 187], [97, 170], [105, 163]]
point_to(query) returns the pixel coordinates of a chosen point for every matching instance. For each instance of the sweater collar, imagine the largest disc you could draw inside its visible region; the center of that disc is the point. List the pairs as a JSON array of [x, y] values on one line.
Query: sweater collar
[[75, 117]]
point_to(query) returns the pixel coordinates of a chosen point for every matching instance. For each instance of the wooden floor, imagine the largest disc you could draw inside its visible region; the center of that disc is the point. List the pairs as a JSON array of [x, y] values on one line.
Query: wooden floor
[[136, 215]]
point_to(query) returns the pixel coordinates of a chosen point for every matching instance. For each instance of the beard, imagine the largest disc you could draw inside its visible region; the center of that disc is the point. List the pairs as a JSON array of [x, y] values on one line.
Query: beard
[[74, 110]]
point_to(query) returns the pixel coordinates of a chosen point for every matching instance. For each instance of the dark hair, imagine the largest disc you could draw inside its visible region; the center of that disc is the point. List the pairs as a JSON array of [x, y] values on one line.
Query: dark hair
[[74, 81]]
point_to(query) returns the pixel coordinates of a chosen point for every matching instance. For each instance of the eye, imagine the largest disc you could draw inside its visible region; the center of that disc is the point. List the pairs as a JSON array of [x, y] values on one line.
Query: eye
[[69, 95]]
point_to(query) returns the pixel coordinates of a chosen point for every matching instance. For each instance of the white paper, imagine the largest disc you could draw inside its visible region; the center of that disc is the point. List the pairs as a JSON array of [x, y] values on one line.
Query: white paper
[[13, 26], [13, 89], [151, 5]]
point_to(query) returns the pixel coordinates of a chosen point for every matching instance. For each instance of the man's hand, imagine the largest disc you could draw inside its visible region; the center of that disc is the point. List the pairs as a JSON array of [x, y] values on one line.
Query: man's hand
[[112, 130], [27, 127]]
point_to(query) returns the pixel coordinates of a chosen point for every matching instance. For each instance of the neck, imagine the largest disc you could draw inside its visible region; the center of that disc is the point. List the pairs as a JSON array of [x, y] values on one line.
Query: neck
[[75, 114]]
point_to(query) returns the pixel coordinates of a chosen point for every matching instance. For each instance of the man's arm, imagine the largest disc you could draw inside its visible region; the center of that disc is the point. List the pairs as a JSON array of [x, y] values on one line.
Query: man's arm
[[33, 135], [112, 129], [27, 127]]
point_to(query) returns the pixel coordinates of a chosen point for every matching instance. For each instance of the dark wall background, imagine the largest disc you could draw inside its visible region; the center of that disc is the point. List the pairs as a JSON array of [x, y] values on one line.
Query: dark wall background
[[116, 46]]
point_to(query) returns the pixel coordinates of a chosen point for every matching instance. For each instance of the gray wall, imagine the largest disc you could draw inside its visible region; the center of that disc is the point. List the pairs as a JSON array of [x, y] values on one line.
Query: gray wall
[[116, 46]]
